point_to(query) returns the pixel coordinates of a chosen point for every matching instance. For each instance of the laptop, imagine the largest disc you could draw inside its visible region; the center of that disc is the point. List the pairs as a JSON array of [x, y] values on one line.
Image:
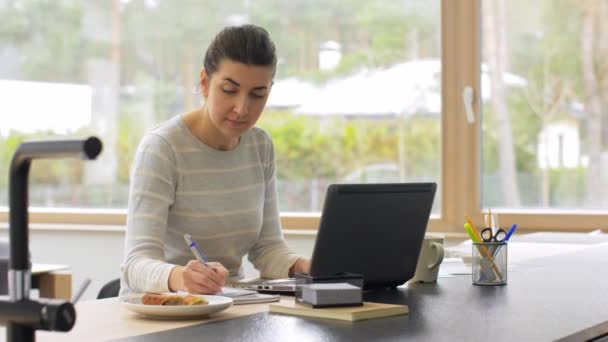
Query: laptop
[[375, 230]]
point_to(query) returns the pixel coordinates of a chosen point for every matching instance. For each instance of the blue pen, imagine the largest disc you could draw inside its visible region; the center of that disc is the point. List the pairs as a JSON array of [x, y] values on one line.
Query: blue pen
[[196, 250], [510, 232]]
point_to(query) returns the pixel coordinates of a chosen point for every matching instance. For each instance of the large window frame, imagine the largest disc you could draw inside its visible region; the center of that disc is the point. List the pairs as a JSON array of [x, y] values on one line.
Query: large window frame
[[460, 149]]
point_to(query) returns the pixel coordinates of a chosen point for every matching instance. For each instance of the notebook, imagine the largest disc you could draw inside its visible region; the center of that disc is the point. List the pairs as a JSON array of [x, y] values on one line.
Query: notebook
[[242, 296], [256, 298], [233, 292]]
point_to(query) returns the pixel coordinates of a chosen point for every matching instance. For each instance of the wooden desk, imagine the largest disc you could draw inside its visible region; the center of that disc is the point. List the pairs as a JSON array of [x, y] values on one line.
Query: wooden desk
[[559, 297], [106, 319]]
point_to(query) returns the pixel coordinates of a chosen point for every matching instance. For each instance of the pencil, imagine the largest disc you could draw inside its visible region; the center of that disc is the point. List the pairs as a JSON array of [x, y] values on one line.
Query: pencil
[[490, 217]]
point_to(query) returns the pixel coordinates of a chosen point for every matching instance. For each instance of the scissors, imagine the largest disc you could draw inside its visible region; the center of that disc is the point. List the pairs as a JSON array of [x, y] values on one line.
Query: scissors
[[487, 235]]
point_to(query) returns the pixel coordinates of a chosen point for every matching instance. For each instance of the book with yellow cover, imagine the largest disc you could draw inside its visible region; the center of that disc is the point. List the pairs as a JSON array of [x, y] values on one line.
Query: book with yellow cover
[[369, 310]]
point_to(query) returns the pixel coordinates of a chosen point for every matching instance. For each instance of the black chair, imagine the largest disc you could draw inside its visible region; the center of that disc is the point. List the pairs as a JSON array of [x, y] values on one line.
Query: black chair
[[110, 289]]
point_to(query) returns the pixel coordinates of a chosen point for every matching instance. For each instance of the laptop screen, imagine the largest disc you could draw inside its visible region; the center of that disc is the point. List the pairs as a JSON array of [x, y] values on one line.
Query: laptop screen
[[373, 229]]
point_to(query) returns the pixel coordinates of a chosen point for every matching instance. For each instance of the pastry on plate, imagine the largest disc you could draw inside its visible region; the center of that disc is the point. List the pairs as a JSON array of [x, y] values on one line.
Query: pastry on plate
[[172, 299]]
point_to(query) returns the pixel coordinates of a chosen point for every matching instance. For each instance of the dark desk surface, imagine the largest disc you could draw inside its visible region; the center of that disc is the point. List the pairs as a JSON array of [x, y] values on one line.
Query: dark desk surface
[[545, 299]]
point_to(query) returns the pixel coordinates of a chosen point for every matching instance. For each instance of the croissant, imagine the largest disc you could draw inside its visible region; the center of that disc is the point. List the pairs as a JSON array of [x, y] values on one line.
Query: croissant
[[162, 299]]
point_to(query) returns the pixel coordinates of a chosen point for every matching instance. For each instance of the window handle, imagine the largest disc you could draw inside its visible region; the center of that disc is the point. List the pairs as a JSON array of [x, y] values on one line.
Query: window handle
[[467, 99]]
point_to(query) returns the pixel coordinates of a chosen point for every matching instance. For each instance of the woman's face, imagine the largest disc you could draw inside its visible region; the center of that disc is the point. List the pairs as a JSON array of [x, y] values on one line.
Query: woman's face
[[235, 96]]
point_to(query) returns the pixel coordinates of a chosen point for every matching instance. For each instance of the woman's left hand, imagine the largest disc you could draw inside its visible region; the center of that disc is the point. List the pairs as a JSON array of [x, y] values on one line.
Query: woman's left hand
[[302, 265]]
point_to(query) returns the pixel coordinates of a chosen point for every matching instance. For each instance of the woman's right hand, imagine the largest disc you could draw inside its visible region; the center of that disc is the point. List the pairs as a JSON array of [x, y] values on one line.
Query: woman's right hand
[[200, 279]]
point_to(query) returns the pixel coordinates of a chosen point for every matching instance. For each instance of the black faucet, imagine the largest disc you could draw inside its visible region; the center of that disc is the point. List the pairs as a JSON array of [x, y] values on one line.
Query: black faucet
[[21, 315]]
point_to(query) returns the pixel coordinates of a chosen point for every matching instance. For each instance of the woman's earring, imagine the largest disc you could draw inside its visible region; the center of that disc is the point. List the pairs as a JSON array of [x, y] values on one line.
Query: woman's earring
[[196, 89]]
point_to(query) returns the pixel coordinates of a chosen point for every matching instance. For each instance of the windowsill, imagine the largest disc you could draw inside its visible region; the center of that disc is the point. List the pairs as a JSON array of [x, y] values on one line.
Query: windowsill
[[84, 228], [97, 228]]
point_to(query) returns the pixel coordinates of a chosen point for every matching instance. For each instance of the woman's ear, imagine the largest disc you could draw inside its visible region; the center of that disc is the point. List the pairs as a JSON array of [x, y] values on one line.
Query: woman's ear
[[204, 83]]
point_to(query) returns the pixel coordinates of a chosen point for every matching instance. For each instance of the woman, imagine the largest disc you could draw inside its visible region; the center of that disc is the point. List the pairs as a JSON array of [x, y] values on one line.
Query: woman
[[210, 173]]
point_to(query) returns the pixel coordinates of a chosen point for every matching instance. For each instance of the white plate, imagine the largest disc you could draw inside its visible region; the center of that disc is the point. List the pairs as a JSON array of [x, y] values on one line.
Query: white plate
[[216, 304]]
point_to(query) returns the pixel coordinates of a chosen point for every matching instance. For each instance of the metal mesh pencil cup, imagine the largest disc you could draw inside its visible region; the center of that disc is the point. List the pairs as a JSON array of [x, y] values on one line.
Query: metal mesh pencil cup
[[489, 263]]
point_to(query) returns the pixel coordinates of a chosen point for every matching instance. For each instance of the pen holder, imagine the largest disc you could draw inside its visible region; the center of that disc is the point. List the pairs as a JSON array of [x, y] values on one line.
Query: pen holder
[[489, 263]]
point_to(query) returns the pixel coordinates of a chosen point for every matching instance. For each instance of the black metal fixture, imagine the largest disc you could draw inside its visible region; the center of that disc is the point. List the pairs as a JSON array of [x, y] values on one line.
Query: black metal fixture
[[21, 315]]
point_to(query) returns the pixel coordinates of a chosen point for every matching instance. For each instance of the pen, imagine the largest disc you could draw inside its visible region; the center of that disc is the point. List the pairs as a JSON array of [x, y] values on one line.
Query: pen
[[511, 231], [196, 250]]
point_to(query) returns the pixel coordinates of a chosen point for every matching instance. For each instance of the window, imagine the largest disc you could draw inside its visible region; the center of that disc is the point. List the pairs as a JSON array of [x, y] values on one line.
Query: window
[[545, 115], [357, 96], [366, 91]]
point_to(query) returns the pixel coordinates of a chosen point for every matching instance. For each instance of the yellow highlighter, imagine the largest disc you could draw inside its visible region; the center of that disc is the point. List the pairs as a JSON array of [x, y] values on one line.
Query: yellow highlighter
[[470, 222], [469, 230]]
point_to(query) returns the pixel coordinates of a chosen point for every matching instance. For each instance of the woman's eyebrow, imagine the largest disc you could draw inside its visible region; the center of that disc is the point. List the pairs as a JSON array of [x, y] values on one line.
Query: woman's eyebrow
[[238, 85], [232, 81]]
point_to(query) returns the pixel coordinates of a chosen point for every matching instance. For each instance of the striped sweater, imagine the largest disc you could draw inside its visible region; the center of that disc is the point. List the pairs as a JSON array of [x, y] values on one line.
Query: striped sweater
[[225, 199]]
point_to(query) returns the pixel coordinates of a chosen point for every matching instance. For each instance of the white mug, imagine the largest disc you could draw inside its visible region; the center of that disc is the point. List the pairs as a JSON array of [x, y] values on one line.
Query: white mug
[[431, 256]]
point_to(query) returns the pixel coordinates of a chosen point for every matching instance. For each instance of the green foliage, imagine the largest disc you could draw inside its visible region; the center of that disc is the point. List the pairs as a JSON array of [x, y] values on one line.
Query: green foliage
[[8, 145], [422, 146], [308, 147], [43, 171], [47, 33], [297, 145], [525, 132], [567, 187]]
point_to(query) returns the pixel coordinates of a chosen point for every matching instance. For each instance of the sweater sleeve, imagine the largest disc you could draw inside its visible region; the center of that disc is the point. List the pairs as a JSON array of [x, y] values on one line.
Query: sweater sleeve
[[270, 254], [152, 192]]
